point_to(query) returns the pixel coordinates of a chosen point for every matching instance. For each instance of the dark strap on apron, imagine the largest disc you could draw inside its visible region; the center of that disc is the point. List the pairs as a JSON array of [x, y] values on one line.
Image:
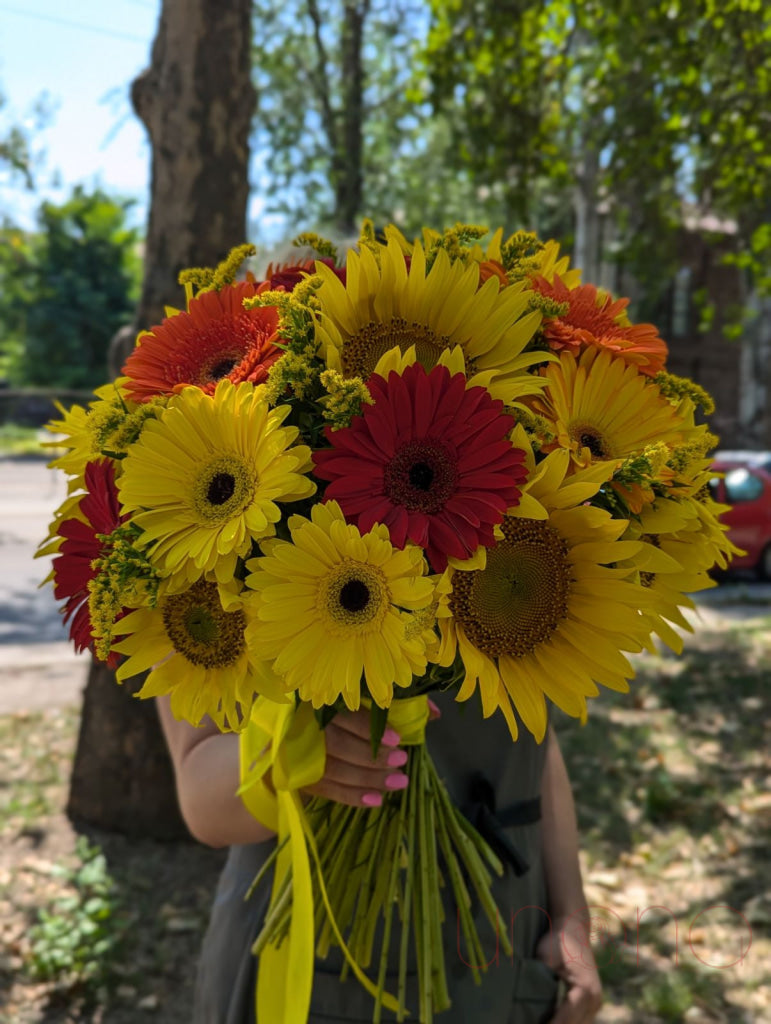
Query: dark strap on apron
[[490, 823]]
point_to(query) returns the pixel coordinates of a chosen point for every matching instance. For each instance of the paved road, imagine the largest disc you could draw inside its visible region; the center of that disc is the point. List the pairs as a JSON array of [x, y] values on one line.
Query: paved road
[[38, 667]]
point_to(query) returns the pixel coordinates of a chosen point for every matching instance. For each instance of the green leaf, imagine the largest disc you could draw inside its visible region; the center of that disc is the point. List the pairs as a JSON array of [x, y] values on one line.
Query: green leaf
[[378, 719]]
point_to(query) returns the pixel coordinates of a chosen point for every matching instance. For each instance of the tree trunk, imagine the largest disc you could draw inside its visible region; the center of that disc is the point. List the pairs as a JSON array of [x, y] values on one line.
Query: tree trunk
[[196, 100], [348, 186]]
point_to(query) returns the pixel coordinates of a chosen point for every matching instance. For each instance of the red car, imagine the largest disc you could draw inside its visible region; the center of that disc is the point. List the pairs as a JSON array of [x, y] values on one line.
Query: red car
[[746, 486]]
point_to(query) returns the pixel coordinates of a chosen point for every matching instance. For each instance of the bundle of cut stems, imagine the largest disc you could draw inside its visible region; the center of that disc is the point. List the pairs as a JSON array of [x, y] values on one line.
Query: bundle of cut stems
[[395, 860]]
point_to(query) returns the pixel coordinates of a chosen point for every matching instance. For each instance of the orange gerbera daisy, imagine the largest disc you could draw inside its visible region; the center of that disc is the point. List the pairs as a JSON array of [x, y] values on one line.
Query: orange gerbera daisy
[[595, 318], [215, 338]]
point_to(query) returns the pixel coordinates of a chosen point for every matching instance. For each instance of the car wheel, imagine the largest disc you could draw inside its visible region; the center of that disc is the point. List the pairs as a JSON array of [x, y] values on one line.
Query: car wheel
[[763, 568]]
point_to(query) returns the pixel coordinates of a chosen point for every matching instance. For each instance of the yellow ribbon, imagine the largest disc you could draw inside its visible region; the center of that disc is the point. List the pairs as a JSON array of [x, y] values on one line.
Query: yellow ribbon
[[285, 742]]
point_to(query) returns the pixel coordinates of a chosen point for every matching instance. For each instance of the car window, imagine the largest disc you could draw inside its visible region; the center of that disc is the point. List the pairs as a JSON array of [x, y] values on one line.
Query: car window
[[741, 485]]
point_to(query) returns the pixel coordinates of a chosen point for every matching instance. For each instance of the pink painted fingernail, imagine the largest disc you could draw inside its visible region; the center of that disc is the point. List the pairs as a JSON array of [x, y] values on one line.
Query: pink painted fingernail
[[434, 709], [391, 738], [397, 781], [373, 799], [397, 758]]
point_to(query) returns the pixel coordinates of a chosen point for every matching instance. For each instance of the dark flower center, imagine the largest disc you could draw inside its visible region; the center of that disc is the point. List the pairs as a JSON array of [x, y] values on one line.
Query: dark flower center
[[201, 630], [354, 595], [222, 368], [594, 444], [221, 488], [421, 476], [517, 602], [362, 351]]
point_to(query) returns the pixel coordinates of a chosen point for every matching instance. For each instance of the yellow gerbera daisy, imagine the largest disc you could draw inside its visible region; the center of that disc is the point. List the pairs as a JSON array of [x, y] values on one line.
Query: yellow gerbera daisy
[[197, 652], [204, 480], [334, 609], [547, 616], [601, 408], [393, 303]]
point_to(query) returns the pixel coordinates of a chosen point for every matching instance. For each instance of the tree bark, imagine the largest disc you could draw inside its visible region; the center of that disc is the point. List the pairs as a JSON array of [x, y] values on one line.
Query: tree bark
[[196, 100]]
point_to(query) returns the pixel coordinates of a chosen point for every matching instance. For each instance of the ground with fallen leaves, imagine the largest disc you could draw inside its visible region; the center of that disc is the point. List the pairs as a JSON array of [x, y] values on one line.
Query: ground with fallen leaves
[[672, 788]]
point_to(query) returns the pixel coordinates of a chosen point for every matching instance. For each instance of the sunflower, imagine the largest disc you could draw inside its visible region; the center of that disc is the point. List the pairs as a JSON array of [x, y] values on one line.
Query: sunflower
[[601, 408], [96, 513], [430, 459], [388, 304], [216, 338], [550, 614], [204, 480], [334, 609], [196, 651], [595, 320]]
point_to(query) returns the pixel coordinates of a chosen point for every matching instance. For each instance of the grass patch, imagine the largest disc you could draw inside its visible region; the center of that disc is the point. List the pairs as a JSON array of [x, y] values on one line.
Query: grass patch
[[17, 440]]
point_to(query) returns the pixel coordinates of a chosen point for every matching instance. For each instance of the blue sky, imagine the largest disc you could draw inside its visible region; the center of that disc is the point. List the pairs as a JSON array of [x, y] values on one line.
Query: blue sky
[[83, 55]]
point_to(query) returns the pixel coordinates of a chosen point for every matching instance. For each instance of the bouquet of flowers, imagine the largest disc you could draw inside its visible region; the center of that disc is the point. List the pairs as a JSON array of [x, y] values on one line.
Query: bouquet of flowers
[[438, 464]]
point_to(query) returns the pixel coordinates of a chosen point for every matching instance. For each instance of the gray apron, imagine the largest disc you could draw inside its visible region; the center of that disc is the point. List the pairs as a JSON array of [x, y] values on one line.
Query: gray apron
[[497, 783]]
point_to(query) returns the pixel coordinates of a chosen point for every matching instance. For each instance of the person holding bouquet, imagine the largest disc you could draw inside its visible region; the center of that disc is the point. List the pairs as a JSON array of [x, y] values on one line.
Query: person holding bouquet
[[325, 510], [546, 902]]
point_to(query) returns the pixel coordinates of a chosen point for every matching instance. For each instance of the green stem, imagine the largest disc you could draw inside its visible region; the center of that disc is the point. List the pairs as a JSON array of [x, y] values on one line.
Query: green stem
[[462, 899], [473, 863], [265, 868], [389, 910], [423, 904], [405, 936], [441, 996]]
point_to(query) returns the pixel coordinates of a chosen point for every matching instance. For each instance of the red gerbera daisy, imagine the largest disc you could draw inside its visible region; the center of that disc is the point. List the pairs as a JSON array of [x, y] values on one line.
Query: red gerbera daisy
[[595, 318], [73, 564], [286, 276], [430, 458], [215, 338]]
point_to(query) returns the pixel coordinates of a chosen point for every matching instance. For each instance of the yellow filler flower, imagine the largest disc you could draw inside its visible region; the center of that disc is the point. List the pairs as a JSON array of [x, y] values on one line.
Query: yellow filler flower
[[334, 610], [549, 615], [205, 479], [393, 303]]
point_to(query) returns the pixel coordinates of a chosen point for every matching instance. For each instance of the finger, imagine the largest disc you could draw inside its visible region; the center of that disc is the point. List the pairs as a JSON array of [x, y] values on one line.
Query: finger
[[348, 746], [434, 711], [355, 775], [354, 796], [349, 795], [578, 1008], [358, 722]]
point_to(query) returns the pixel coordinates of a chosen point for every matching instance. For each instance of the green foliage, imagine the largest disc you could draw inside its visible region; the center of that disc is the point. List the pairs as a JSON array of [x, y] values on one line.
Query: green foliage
[[18, 156], [343, 129], [669, 98], [75, 939], [65, 290]]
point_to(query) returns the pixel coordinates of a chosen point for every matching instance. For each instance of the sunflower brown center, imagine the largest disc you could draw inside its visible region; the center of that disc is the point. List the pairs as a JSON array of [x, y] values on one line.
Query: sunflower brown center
[[201, 630], [516, 602], [353, 598], [362, 351], [221, 488], [421, 476]]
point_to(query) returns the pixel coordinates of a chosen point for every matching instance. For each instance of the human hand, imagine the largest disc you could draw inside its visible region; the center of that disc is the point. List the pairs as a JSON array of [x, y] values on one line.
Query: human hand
[[352, 776], [566, 949]]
